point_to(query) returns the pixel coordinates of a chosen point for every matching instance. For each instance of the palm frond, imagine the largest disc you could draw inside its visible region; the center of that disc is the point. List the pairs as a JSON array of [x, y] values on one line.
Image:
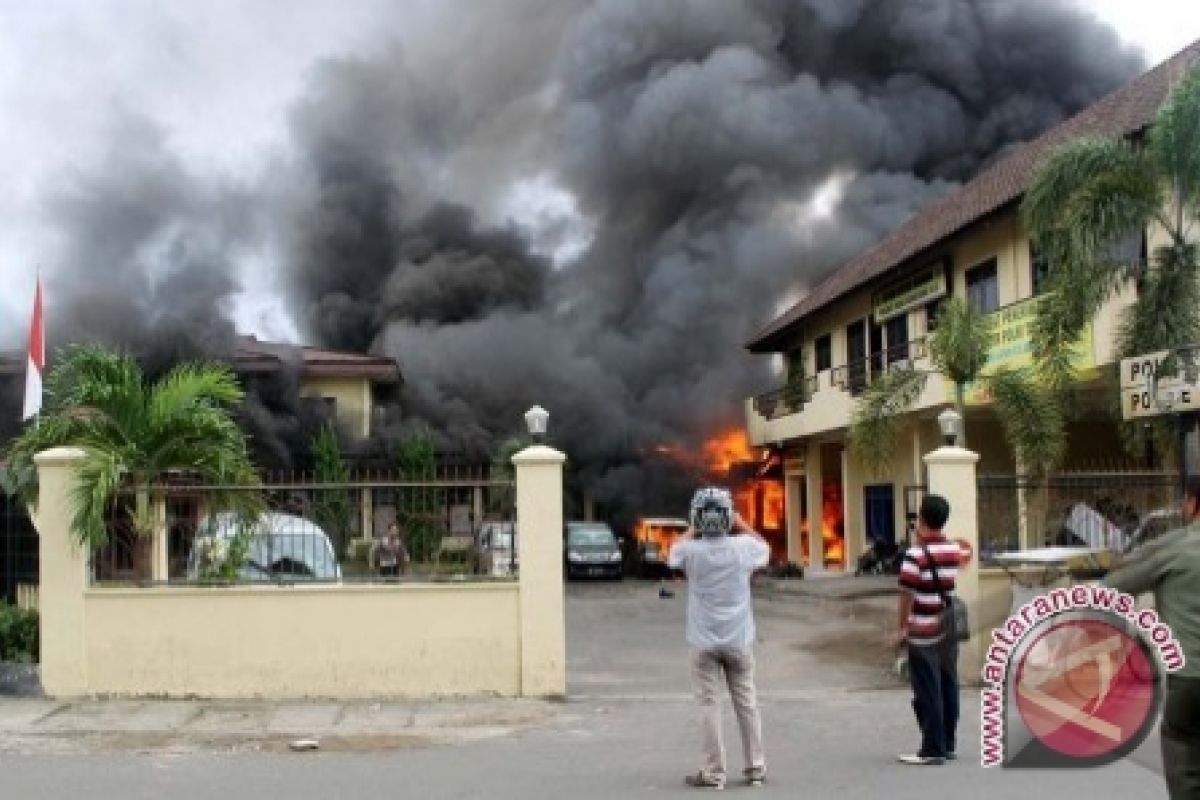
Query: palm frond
[[876, 424], [1173, 145], [98, 481], [960, 344], [1032, 418], [1166, 315], [189, 386], [1089, 194]]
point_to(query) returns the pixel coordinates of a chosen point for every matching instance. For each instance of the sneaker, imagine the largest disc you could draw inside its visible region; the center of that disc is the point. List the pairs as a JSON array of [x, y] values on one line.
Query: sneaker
[[701, 780], [755, 776], [921, 761]]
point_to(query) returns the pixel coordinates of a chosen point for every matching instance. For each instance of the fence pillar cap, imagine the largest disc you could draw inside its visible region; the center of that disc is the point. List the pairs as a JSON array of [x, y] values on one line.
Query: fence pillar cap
[[59, 455], [952, 455], [539, 454]]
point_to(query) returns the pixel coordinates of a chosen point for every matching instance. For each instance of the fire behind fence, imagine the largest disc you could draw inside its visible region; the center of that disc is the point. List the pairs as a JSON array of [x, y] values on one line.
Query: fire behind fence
[[458, 524], [1113, 510]]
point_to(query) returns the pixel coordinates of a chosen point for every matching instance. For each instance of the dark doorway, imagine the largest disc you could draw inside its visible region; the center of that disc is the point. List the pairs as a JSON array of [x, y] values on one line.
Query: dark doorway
[[879, 508], [876, 348]]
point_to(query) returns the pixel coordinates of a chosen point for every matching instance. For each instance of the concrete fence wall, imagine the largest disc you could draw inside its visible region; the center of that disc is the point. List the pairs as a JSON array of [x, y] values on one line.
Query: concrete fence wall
[[338, 641]]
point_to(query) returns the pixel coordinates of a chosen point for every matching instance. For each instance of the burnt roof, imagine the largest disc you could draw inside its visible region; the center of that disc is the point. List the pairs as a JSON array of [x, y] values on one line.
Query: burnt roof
[[1124, 111], [253, 355]]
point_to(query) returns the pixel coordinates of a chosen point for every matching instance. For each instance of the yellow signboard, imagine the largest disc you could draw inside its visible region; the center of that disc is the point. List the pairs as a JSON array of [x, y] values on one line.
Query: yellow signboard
[[1012, 345], [923, 288]]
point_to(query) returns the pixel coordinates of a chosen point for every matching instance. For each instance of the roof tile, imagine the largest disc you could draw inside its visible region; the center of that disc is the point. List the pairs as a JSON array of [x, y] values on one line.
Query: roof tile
[[1124, 111]]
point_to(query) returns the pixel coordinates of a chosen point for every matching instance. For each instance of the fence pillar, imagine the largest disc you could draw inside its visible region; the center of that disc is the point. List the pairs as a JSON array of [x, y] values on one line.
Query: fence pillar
[[540, 531], [952, 475], [159, 545], [63, 576]]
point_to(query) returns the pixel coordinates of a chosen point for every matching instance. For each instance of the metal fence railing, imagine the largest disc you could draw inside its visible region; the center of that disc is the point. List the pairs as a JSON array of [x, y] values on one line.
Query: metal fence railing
[[456, 524], [18, 553], [1100, 509]]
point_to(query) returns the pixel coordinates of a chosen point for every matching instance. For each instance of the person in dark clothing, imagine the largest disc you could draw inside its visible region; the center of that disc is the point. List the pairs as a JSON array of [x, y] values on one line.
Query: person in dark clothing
[[1169, 566]]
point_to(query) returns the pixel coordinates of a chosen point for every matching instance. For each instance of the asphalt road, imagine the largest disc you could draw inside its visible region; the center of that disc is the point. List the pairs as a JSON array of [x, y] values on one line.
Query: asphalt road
[[833, 720]]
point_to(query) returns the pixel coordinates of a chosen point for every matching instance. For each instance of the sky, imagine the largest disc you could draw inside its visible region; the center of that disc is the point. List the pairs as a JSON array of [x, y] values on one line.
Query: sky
[[218, 78]]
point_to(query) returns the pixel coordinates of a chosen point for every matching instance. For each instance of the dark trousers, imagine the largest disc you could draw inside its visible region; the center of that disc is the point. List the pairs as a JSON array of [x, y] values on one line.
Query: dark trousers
[[933, 671], [1181, 738]]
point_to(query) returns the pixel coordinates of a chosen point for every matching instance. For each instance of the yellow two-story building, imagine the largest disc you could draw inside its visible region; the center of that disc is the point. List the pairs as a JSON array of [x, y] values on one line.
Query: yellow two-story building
[[878, 309]]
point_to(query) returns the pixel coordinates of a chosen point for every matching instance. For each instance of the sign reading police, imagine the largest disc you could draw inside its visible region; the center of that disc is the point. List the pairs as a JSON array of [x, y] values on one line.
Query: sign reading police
[[1144, 393]]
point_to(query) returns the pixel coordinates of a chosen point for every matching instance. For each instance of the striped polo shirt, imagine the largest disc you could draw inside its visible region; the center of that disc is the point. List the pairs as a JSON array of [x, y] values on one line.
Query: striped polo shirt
[[925, 619]]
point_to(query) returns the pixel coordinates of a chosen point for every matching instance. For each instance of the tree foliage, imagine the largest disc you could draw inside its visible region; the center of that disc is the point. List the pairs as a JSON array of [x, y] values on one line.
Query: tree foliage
[[876, 424], [133, 432], [1091, 194], [959, 346], [421, 514], [333, 507], [1033, 418]]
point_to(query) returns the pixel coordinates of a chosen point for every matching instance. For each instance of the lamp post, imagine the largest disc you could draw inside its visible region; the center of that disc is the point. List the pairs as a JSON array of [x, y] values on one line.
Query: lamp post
[[950, 423], [537, 419]]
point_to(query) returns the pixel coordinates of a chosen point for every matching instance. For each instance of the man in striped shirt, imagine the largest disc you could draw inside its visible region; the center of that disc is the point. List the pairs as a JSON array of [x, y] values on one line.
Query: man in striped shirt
[[927, 577]]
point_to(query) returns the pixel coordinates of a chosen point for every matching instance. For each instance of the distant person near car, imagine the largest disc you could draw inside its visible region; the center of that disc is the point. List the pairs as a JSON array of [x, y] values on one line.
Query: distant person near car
[[391, 556], [928, 576], [1169, 566], [720, 627]]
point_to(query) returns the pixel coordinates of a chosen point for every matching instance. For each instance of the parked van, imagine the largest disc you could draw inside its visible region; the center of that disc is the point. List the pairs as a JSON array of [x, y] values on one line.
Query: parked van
[[279, 547]]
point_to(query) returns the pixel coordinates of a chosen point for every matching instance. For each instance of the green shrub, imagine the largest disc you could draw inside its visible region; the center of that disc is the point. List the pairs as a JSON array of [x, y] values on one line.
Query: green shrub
[[18, 634]]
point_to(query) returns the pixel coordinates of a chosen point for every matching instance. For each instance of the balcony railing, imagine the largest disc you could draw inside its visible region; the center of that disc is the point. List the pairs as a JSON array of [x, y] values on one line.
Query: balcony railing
[[856, 376], [782, 402], [853, 377]]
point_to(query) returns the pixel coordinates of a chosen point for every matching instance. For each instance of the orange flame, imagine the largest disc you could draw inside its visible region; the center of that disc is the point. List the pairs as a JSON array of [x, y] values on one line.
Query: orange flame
[[833, 533], [727, 449], [664, 535]]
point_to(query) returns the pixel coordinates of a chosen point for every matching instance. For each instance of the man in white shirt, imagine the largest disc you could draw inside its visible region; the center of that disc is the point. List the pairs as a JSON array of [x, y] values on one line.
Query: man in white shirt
[[720, 627]]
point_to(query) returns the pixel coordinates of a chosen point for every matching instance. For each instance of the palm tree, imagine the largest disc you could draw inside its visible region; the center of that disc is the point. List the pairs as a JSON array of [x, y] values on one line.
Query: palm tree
[[959, 349], [1091, 194], [1032, 414], [132, 432]]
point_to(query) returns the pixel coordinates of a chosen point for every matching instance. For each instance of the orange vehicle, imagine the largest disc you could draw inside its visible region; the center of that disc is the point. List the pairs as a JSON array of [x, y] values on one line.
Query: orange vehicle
[[653, 538]]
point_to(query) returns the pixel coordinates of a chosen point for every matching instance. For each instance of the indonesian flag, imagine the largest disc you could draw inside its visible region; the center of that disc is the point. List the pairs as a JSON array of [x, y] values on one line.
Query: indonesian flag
[[37, 357]]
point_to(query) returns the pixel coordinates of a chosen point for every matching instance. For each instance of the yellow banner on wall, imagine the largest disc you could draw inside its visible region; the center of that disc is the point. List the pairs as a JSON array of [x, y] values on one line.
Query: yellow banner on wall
[[1012, 346]]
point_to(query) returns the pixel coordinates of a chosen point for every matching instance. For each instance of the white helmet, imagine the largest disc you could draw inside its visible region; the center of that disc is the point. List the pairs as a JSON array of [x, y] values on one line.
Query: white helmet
[[712, 511]]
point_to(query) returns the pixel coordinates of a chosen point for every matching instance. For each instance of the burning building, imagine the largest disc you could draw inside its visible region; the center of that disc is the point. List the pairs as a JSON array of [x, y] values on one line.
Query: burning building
[[586, 212]]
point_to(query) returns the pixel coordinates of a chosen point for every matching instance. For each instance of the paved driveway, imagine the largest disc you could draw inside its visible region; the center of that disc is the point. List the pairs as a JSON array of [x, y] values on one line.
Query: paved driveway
[[833, 721]]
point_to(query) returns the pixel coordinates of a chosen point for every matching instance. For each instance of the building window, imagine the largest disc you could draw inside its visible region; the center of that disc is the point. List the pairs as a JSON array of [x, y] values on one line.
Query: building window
[[983, 287], [1129, 250], [1039, 267], [824, 348], [932, 312], [896, 331]]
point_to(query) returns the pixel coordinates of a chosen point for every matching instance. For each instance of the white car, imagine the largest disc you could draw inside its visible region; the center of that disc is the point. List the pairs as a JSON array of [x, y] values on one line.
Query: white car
[[1153, 525], [279, 546]]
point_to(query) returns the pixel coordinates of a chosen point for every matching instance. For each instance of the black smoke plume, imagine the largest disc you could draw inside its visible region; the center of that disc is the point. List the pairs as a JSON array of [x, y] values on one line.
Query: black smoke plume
[[720, 157], [694, 136]]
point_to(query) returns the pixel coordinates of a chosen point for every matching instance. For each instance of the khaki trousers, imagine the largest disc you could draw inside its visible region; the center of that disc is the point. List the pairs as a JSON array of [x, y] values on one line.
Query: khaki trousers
[[738, 666]]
